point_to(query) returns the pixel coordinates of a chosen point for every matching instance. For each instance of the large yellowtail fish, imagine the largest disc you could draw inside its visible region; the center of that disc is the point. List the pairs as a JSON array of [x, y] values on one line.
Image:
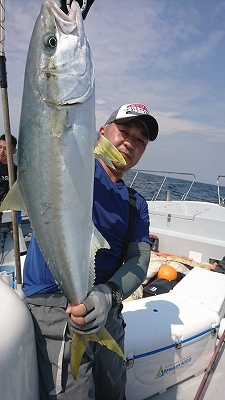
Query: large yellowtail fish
[[56, 155]]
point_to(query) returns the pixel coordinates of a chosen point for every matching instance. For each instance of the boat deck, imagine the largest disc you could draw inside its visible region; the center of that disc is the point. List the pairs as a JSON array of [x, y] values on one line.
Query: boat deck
[[189, 226], [189, 210]]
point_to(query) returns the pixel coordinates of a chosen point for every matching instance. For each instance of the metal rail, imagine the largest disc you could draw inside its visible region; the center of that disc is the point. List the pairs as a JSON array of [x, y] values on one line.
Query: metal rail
[[220, 197], [165, 175]]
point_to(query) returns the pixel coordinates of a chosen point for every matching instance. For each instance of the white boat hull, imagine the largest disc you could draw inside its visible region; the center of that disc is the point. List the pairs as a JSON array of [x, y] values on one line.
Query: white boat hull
[[172, 336], [189, 228], [18, 364]]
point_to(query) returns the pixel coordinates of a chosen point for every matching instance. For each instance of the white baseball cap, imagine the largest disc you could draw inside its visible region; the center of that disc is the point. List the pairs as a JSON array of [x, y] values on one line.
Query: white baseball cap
[[128, 112]]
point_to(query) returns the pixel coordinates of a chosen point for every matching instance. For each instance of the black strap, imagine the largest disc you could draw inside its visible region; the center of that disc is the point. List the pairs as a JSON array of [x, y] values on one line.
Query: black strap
[[132, 217]]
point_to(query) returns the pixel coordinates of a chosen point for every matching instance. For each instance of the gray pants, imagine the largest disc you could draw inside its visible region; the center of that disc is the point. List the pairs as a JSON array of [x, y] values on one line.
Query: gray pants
[[102, 374]]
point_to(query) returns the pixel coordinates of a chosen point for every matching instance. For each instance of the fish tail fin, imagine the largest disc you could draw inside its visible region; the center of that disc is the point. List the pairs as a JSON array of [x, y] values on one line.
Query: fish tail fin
[[79, 343], [106, 151], [13, 200]]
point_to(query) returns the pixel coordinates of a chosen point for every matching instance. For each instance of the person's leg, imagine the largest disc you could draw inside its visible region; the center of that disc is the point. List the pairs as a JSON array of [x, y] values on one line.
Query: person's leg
[[53, 340], [109, 370]]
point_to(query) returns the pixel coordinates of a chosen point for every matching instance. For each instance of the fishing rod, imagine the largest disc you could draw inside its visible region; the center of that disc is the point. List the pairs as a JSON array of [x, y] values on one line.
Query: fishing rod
[[6, 120]]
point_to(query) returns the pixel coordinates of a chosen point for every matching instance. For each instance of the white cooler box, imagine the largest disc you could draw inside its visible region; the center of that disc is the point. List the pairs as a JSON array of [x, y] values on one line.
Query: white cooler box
[[171, 337]]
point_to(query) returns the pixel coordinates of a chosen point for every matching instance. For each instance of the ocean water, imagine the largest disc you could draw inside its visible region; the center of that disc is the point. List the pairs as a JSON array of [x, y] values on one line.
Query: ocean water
[[148, 185]]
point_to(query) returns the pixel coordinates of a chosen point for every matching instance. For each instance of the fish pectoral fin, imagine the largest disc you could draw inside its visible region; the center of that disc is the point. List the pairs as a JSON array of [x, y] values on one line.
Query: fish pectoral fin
[[105, 150], [105, 160], [79, 343], [13, 200], [98, 242]]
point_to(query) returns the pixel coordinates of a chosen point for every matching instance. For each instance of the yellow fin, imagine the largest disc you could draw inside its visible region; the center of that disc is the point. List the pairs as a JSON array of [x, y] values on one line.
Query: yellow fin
[[106, 160], [105, 150], [13, 200], [79, 343], [78, 346]]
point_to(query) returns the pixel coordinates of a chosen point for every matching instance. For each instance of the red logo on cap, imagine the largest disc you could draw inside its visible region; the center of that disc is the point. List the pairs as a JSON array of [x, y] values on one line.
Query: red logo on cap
[[136, 109]]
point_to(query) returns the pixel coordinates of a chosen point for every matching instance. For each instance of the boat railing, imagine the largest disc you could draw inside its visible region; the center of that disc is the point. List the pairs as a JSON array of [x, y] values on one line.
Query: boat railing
[[188, 177], [221, 197]]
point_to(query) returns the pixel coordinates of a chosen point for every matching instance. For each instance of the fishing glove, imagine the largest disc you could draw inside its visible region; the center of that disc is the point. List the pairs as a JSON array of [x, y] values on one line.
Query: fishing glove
[[98, 304]]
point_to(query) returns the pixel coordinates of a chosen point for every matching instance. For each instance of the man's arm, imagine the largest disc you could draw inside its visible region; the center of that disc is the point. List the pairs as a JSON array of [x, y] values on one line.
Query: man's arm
[[134, 270], [92, 313]]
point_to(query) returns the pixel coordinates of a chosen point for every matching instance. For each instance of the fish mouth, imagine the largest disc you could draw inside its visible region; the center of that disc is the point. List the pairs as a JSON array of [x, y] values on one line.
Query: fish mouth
[[67, 22], [66, 71]]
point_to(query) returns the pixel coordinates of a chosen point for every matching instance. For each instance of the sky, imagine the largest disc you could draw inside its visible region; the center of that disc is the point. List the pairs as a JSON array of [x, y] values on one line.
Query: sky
[[166, 54]]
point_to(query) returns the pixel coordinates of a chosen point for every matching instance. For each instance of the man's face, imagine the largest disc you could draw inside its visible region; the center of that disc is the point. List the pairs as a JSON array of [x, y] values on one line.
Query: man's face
[[129, 138], [3, 152]]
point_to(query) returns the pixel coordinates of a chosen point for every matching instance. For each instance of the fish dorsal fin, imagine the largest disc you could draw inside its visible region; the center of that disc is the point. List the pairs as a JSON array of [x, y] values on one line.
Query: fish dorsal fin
[[13, 200], [98, 242], [105, 150]]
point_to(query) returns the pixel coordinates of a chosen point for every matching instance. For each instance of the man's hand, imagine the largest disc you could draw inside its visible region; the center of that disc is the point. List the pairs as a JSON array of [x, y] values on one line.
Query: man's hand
[[91, 315]]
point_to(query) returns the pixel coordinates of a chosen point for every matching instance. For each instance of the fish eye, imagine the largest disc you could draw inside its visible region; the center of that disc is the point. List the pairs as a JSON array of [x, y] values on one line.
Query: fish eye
[[50, 41]]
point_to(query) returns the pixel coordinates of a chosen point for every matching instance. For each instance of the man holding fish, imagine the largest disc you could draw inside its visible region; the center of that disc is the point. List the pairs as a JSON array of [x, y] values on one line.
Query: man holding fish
[[74, 275], [102, 372]]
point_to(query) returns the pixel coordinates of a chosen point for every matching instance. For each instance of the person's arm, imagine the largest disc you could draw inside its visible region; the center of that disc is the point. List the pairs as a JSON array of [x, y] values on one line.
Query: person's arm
[[134, 270], [92, 313]]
